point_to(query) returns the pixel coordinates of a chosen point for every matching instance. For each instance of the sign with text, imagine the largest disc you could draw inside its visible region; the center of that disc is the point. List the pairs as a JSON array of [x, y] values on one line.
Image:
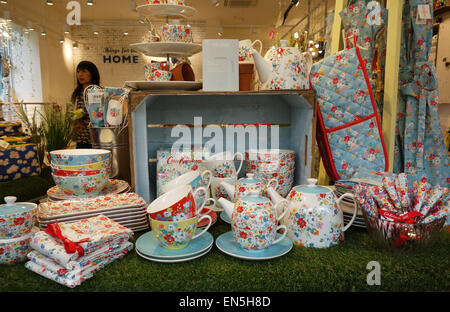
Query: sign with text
[[120, 56]]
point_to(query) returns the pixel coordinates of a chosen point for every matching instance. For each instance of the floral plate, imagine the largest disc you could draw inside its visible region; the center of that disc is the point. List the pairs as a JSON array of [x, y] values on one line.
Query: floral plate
[[114, 187]]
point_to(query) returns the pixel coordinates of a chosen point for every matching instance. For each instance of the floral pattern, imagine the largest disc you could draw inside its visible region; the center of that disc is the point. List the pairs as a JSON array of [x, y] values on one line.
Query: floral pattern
[[176, 33], [290, 70], [14, 250], [314, 220], [183, 209], [16, 225], [82, 185], [420, 148], [68, 208], [174, 235], [100, 230], [10, 127], [348, 116], [113, 187]]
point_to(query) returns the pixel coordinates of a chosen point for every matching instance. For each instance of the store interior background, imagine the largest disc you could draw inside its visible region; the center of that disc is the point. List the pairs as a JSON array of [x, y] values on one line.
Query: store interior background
[[43, 67]]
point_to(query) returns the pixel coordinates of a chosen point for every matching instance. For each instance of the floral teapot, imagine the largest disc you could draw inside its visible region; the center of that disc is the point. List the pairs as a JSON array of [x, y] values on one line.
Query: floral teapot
[[247, 186], [283, 68], [254, 221], [315, 218]]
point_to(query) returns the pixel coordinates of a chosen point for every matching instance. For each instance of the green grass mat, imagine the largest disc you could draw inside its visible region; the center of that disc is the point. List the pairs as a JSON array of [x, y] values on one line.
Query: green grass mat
[[340, 268]]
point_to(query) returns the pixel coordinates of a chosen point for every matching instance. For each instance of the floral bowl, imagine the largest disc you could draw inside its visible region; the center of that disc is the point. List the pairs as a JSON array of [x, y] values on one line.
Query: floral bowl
[[77, 173], [77, 157], [106, 164], [16, 219], [82, 185], [15, 250], [176, 33]]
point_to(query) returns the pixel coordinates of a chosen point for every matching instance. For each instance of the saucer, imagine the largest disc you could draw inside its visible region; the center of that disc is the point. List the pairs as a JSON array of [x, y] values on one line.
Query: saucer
[[225, 217], [229, 246], [113, 187], [174, 260], [148, 246]]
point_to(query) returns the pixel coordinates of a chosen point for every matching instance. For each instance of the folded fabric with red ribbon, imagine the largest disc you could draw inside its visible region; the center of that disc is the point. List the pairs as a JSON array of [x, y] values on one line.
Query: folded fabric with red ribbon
[[70, 246]]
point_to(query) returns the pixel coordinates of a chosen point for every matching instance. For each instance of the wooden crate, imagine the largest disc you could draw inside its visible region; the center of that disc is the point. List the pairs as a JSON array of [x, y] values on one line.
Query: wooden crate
[[294, 111]]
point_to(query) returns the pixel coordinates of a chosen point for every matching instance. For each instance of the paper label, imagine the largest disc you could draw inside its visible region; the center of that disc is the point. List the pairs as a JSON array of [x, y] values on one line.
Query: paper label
[[423, 14], [95, 97]]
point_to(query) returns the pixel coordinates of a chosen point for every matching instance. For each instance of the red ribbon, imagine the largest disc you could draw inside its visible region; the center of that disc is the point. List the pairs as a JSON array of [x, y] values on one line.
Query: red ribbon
[[404, 218], [71, 247]]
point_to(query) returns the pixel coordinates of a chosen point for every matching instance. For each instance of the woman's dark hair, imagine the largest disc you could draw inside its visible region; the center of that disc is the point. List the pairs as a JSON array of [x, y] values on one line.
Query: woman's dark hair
[[95, 78]]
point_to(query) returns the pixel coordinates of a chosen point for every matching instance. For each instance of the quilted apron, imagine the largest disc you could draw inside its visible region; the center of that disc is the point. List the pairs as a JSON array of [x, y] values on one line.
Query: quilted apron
[[348, 133], [420, 147]]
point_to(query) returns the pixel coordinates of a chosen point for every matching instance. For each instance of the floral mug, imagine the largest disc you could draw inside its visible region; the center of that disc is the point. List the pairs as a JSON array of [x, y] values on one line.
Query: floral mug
[[222, 164], [245, 48]]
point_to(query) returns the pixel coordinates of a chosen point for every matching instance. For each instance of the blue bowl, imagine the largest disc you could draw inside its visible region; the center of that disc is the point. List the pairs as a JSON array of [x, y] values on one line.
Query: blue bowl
[[77, 157]]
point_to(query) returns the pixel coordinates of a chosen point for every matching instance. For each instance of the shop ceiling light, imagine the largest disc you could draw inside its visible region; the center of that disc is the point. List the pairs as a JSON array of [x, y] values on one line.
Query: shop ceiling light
[[90, 2], [3, 1], [61, 40], [94, 29], [49, 2], [30, 26], [75, 45], [66, 29], [215, 3], [296, 35], [43, 33]]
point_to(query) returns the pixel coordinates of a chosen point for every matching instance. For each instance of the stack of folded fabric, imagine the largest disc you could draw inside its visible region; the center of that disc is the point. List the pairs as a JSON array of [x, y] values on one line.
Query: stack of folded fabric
[[128, 209], [70, 253]]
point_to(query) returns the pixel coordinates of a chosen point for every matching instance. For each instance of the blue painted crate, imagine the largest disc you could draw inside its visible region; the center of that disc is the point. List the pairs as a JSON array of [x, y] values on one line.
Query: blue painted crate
[[294, 111]]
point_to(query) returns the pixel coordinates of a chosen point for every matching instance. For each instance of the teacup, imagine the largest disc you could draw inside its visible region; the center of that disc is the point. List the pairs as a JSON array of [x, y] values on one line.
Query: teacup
[[176, 205], [154, 74], [195, 180], [149, 37], [176, 235], [176, 33], [218, 191], [156, 1], [222, 164], [245, 50]]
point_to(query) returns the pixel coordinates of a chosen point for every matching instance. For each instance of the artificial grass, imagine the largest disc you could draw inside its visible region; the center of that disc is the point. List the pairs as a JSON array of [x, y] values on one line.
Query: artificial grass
[[340, 268]]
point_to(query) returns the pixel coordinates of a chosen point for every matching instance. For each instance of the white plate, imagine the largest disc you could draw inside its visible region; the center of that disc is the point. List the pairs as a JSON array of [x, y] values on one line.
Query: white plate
[[105, 212], [166, 10], [165, 85], [165, 48], [175, 260]]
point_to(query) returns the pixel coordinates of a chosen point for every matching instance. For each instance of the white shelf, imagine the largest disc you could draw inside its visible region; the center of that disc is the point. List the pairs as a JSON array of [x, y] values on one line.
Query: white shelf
[[164, 49], [166, 10]]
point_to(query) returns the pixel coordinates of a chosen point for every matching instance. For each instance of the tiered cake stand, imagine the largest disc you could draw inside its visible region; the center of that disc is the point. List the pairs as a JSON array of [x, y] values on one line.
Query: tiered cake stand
[[166, 49]]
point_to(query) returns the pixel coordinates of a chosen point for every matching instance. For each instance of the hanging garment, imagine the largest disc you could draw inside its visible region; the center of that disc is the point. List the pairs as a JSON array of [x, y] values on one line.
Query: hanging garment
[[420, 148], [348, 133]]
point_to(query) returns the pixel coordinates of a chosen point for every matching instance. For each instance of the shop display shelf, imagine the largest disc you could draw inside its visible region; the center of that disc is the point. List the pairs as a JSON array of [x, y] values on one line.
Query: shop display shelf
[[154, 114], [165, 49], [166, 10], [164, 85]]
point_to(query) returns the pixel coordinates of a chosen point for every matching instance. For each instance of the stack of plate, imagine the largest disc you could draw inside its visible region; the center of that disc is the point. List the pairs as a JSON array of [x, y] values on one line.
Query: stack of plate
[[148, 247], [128, 209], [113, 187]]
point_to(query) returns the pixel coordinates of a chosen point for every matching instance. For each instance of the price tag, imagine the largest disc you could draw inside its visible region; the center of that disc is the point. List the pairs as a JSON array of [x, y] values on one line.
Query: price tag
[[424, 11], [95, 97], [3, 145], [423, 14]]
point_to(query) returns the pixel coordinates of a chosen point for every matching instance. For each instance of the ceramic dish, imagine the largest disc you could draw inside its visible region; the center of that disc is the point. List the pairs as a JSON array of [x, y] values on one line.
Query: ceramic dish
[[139, 214], [114, 187], [95, 166], [162, 49], [174, 260], [77, 157], [76, 173], [16, 219], [149, 246], [225, 218], [205, 222], [83, 185], [15, 250], [229, 246], [114, 213], [113, 203], [152, 74], [176, 33]]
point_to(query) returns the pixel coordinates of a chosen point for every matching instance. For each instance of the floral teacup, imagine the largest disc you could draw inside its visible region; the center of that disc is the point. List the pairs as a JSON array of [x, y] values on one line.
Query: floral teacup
[[177, 234], [176, 205], [222, 165]]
